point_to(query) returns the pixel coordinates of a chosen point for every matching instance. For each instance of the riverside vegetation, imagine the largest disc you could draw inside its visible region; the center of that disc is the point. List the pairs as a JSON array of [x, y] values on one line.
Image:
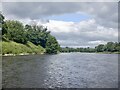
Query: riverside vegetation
[[25, 39], [110, 47], [33, 39]]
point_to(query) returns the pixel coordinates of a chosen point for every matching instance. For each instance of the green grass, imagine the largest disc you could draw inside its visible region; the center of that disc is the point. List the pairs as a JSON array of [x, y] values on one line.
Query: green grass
[[35, 49], [17, 48]]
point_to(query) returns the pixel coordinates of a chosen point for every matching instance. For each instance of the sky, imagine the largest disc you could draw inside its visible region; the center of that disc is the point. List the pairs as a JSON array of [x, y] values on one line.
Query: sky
[[74, 24]]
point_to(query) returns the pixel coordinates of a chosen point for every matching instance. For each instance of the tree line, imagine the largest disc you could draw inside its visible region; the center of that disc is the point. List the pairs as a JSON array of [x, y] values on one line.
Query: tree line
[[13, 30], [109, 47]]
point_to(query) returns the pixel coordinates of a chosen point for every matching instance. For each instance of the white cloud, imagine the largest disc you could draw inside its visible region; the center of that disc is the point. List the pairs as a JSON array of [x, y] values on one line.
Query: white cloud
[[61, 26], [97, 42], [84, 33], [105, 13], [86, 27]]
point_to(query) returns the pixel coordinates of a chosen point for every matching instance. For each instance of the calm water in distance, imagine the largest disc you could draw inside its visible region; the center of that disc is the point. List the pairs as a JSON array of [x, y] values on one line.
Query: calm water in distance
[[64, 70]]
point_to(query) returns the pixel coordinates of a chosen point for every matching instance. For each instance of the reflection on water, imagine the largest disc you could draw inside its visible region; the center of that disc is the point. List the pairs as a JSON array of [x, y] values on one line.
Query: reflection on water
[[65, 70]]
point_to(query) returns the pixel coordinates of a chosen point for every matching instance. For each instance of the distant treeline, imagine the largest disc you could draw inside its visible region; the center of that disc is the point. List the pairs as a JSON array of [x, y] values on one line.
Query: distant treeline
[[13, 30], [109, 47]]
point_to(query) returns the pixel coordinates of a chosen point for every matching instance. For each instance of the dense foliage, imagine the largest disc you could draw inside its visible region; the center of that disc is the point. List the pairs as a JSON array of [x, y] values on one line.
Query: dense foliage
[[2, 25], [19, 33], [109, 47], [16, 32], [52, 45]]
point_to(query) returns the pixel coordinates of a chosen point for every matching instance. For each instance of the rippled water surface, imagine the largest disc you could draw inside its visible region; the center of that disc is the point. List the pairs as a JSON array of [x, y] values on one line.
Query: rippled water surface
[[65, 70]]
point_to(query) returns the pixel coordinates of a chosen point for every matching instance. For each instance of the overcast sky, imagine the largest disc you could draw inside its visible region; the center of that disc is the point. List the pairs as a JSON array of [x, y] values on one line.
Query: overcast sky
[[79, 24]]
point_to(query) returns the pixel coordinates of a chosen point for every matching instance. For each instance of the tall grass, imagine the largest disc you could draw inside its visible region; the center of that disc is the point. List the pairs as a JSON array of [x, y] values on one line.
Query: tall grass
[[17, 48]]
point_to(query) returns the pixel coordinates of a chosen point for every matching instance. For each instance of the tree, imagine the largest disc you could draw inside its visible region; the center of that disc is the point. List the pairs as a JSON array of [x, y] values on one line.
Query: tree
[[109, 47], [100, 48], [117, 47], [16, 32], [3, 25], [37, 34], [52, 45]]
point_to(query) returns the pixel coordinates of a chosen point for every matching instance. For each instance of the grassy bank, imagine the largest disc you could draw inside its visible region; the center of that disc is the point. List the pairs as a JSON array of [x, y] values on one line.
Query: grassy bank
[[13, 48]]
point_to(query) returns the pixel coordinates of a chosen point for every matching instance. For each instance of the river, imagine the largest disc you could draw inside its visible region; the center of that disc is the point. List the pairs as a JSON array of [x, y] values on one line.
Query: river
[[64, 70]]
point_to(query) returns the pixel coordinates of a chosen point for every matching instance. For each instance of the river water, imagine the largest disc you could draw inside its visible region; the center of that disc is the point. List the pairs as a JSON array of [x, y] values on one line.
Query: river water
[[64, 70]]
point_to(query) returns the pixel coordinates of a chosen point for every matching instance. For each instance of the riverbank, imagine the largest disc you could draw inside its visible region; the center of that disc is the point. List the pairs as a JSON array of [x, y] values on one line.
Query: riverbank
[[108, 52], [12, 49], [96, 52], [21, 54]]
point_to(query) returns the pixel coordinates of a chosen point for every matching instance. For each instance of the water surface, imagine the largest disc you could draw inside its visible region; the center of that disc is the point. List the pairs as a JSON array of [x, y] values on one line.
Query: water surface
[[65, 70]]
